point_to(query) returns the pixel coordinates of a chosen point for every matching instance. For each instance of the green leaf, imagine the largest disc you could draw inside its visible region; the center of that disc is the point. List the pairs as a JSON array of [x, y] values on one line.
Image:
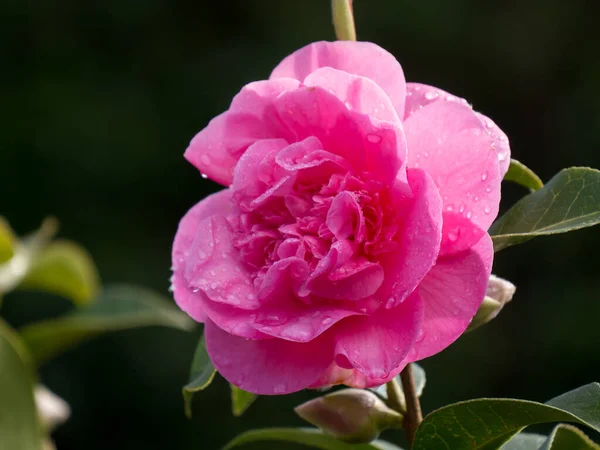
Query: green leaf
[[525, 441], [15, 269], [120, 307], [567, 437], [420, 380], [488, 423], [64, 268], [311, 437], [7, 241], [569, 201], [521, 174], [19, 425], [240, 400], [202, 373]]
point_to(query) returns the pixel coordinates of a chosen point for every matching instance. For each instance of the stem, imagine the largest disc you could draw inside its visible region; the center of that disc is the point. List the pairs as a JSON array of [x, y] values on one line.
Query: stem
[[343, 20], [413, 416]]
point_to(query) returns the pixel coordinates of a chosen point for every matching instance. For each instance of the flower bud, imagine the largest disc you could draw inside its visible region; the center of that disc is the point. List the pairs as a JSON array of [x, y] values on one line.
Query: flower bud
[[52, 409], [499, 292], [350, 415]]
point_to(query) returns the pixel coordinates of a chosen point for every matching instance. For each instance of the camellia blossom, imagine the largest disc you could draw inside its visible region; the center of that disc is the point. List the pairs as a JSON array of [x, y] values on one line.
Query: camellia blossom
[[352, 236]]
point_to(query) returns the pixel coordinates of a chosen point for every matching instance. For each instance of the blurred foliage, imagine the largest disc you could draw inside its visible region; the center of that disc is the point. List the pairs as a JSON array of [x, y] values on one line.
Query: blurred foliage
[[101, 98]]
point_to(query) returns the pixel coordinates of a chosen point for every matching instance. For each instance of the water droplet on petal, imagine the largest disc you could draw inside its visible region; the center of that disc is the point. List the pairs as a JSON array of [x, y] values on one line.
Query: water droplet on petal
[[450, 207], [487, 209], [454, 234], [203, 175], [390, 303], [205, 159], [326, 320], [484, 176], [461, 209], [431, 95], [488, 189], [469, 214], [374, 138]]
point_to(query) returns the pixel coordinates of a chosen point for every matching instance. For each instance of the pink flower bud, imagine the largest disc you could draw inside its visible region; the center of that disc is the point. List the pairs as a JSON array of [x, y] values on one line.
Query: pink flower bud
[[350, 415]]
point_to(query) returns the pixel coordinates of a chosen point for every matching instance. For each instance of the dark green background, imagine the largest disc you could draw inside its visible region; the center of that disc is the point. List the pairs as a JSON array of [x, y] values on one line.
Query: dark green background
[[100, 98]]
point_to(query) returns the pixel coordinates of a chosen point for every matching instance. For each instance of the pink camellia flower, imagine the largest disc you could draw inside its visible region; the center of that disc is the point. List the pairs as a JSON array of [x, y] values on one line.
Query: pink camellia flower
[[351, 238]]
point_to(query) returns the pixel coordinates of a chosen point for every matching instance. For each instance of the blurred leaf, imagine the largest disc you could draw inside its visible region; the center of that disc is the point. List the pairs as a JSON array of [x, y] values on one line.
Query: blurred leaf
[[420, 380], [64, 268], [240, 400], [521, 174], [567, 437], [14, 270], [120, 307], [311, 437], [569, 201], [524, 441], [7, 241], [488, 423], [19, 425], [202, 373]]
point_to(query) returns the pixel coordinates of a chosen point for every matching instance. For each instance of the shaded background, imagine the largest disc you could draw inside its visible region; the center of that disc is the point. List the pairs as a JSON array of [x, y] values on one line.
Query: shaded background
[[100, 98]]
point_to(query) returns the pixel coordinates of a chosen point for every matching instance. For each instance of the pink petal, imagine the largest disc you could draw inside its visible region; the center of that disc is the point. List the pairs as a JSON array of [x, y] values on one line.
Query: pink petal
[[358, 58], [216, 149], [451, 294], [213, 266], [232, 320], [419, 239], [358, 93], [299, 323], [377, 345], [342, 276], [307, 154], [345, 217], [267, 367], [216, 204], [458, 233], [451, 144], [420, 95], [366, 143], [257, 177]]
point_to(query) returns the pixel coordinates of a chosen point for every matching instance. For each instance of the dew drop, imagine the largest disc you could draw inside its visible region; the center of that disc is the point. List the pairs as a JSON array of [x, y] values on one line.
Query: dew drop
[[487, 209], [484, 176], [390, 303], [469, 214], [212, 273], [203, 175], [453, 235], [488, 189], [450, 98], [279, 388], [476, 199], [326, 320], [450, 207], [205, 159], [196, 289], [461, 209], [374, 138], [431, 95]]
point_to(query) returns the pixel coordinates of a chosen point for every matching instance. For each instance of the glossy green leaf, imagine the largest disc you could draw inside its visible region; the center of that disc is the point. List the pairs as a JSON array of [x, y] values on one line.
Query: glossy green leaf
[[488, 423], [20, 428], [567, 437], [521, 174], [240, 400], [25, 252], [120, 307], [311, 437], [525, 441], [64, 268], [202, 373], [569, 201]]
